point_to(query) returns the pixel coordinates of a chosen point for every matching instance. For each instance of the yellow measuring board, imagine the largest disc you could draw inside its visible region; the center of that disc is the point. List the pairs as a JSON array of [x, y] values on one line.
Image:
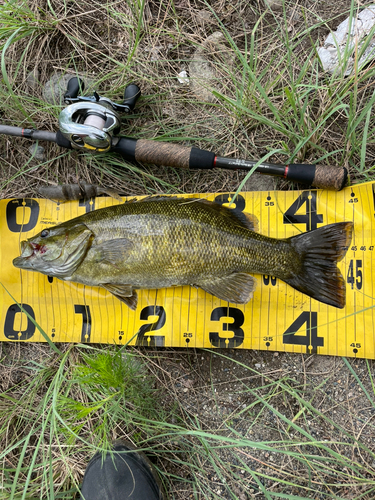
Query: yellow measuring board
[[278, 318]]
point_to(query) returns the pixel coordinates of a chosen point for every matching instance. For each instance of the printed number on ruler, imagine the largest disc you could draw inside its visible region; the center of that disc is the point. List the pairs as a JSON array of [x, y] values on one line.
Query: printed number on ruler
[[21, 215], [24, 221], [21, 318], [238, 335], [310, 339], [311, 218], [145, 337]]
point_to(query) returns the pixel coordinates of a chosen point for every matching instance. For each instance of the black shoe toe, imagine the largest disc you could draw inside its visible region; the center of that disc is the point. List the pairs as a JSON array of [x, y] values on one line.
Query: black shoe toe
[[123, 473]]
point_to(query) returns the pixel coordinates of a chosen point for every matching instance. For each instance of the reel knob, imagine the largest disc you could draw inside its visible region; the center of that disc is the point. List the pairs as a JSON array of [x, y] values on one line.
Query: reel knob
[[131, 95], [74, 86]]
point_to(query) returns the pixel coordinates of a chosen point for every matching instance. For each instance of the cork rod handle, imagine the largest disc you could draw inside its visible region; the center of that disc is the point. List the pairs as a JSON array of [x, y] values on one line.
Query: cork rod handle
[[162, 153], [327, 177]]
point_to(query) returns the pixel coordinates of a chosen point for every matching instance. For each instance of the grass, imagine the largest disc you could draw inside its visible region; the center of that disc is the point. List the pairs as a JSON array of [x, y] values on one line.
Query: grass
[[281, 431], [76, 403]]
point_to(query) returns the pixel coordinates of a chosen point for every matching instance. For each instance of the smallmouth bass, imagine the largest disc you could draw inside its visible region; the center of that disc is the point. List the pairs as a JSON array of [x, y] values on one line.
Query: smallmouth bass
[[160, 242]]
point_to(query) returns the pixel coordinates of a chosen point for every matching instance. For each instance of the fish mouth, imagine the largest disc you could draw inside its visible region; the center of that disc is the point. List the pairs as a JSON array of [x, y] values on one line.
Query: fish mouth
[[27, 251]]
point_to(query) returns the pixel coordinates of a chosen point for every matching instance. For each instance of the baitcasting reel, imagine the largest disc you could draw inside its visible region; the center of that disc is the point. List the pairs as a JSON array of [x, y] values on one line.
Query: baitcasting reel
[[90, 123]]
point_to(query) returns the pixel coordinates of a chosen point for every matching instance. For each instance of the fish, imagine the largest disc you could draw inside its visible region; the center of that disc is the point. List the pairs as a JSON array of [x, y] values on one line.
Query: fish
[[160, 242]]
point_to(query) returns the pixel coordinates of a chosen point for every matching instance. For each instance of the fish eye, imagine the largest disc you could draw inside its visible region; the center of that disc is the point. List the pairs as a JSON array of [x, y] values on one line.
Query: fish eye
[[44, 233]]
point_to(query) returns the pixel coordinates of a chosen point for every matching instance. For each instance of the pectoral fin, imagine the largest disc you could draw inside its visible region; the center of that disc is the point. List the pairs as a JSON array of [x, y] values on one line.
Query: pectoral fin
[[237, 288], [114, 251], [125, 293]]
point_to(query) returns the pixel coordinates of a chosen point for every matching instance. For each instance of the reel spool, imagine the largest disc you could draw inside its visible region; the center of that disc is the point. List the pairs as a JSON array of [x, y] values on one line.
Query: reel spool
[[89, 126]]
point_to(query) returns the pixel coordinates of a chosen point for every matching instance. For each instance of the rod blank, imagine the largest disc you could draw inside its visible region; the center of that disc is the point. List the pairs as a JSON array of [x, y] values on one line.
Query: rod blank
[[28, 133]]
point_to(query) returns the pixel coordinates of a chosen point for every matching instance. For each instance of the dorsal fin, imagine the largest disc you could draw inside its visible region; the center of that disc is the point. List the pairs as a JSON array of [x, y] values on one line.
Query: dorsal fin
[[237, 216]]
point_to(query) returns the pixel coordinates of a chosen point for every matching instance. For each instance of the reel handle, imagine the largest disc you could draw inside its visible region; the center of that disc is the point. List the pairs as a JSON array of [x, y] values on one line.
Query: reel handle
[[74, 86]]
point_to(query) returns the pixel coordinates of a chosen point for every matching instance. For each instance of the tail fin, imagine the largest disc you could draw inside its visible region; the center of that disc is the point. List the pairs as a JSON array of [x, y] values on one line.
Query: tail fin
[[319, 251]]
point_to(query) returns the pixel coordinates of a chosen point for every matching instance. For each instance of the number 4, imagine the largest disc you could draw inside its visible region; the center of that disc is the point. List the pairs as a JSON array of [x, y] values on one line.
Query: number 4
[[311, 218], [310, 339], [357, 279]]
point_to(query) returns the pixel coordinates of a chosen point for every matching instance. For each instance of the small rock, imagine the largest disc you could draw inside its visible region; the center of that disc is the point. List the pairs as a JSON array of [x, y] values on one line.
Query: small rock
[[202, 71], [32, 79], [37, 152], [155, 52], [56, 86], [183, 78], [342, 47], [274, 4], [204, 16], [293, 16], [259, 182]]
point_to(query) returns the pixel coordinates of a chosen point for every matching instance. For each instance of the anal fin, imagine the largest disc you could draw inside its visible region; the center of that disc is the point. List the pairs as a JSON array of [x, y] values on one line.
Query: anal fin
[[237, 288]]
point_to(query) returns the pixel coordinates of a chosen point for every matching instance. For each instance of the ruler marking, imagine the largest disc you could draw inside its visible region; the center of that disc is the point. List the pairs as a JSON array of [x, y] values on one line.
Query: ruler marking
[[204, 326], [180, 311], [352, 194], [170, 317], [371, 220], [336, 312], [196, 315]]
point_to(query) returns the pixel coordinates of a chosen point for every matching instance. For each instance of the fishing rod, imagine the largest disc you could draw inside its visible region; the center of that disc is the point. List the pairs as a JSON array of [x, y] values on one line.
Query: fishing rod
[[92, 124]]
